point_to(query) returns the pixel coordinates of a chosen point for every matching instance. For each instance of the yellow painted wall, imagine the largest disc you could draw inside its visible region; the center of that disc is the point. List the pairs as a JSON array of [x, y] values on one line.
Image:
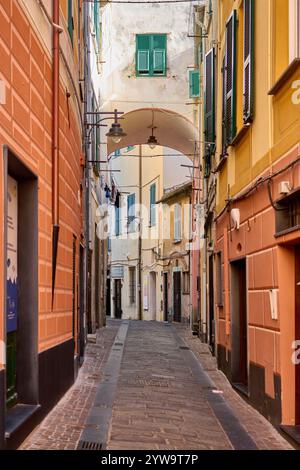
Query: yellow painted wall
[[276, 125]]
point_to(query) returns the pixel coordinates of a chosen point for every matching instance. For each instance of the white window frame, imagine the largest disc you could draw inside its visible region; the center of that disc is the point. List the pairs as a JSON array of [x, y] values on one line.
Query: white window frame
[[294, 30]]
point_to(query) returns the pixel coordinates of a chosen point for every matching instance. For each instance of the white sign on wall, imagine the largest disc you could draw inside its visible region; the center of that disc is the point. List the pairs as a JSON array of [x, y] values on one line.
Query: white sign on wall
[[117, 272], [145, 292]]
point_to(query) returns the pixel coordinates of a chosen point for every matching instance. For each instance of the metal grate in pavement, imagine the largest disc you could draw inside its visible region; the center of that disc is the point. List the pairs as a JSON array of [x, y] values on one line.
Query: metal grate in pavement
[[89, 445]]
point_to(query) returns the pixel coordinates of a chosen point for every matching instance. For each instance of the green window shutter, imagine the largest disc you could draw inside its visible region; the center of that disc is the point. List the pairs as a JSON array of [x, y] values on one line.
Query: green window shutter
[[151, 54], [131, 212], [224, 139], [230, 78], [210, 97], [97, 23], [117, 221], [152, 204], [194, 83], [159, 61], [70, 19], [248, 96], [143, 62]]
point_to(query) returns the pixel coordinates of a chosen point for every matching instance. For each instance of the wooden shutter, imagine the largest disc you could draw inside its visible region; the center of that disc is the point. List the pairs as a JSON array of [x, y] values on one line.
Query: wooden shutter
[[158, 52], [143, 54], [177, 222], [230, 78], [224, 139], [159, 60], [248, 60], [70, 19], [210, 96], [194, 83], [152, 204], [131, 212]]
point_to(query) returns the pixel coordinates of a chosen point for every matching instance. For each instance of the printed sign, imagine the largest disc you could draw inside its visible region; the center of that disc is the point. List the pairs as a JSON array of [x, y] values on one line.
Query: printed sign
[[146, 288], [12, 256]]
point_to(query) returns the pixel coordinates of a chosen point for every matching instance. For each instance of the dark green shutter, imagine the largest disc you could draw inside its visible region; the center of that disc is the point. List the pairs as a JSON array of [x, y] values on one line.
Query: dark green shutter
[[131, 212], [224, 139], [248, 97], [210, 96], [230, 78], [70, 19], [194, 83], [97, 23]]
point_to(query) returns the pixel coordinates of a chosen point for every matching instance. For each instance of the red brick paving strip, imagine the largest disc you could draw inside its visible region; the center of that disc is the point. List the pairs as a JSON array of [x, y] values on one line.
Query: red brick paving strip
[[62, 427]]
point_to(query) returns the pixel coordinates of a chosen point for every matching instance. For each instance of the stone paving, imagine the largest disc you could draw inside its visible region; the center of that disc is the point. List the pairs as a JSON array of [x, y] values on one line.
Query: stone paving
[[62, 427], [159, 404]]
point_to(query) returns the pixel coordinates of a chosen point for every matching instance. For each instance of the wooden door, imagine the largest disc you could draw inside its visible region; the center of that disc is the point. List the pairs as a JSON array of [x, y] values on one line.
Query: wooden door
[[177, 296]]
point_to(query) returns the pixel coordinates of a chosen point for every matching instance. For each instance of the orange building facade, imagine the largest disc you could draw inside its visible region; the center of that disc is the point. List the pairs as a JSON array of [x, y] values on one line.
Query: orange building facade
[[255, 227], [40, 185]]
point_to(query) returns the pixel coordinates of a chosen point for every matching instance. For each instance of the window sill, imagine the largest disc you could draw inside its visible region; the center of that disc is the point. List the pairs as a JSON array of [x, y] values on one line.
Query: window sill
[[220, 165], [285, 77], [17, 416], [242, 132]]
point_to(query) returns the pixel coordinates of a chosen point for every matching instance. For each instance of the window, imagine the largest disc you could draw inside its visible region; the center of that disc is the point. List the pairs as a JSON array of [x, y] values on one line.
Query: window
[[151, 55], [177, 222], [229, 77], [194, 83], [97, 23], [248, 95], [117, 221], [131, 213], [210, 96], [186, 282], [132, 283], [70, 20], [294, 29], [152, 205], [219, 276]]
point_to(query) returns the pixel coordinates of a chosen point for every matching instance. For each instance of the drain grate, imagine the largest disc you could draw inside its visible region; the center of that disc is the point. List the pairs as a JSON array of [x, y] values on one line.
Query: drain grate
[[118, 344], [89, 445], [185, 348]]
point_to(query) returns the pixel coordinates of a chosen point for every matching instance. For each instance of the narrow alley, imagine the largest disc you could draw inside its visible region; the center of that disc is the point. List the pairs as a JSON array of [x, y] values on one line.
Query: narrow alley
[[148, 385]]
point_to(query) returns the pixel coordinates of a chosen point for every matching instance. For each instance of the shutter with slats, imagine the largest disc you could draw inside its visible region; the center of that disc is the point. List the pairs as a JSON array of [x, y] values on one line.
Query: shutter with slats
[[70, 19], [194, 83], [143, 54], [152, 204], [159, 60], [248, 60], [224, 139], [230, 78], [210, 96]]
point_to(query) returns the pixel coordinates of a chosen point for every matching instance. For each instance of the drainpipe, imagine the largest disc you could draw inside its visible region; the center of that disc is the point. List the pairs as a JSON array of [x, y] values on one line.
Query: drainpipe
[[55, 139]]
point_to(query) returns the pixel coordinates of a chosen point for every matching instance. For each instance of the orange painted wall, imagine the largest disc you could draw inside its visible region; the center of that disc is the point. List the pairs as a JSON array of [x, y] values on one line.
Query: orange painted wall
[[25, 127]]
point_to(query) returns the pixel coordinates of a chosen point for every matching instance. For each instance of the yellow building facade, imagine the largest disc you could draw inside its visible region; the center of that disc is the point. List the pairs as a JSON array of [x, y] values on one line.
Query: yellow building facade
[[254, 225]]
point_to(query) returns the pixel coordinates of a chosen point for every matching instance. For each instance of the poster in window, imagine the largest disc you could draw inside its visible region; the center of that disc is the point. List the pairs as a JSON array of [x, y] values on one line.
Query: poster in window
[[12, 256]]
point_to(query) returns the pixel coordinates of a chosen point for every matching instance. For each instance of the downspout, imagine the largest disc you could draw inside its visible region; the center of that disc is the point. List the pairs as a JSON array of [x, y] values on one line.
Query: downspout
[[55, 139]]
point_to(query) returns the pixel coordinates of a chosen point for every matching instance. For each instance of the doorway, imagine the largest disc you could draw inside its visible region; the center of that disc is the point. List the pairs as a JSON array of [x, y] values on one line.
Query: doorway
[[108, 309], [239, 329], [118, 298], [211, 319], [81, 316], [297, 332], [152, 291], [166, 303], [177, 296], [21, 286]]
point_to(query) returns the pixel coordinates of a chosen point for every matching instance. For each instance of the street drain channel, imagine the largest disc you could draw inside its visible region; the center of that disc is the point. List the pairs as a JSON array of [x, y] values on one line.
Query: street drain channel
[[89, 445]]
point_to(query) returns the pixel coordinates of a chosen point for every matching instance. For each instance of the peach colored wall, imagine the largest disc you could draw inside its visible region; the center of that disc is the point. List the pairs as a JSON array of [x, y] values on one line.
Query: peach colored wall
[[270, 265], [25, 126]]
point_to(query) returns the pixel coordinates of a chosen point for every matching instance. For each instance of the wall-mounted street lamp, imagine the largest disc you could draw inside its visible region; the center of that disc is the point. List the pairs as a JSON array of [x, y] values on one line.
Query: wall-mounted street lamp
[[116, 132]]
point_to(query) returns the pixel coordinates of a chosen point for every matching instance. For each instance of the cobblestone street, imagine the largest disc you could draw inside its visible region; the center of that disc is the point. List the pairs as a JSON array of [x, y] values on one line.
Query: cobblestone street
[[147, 385]]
